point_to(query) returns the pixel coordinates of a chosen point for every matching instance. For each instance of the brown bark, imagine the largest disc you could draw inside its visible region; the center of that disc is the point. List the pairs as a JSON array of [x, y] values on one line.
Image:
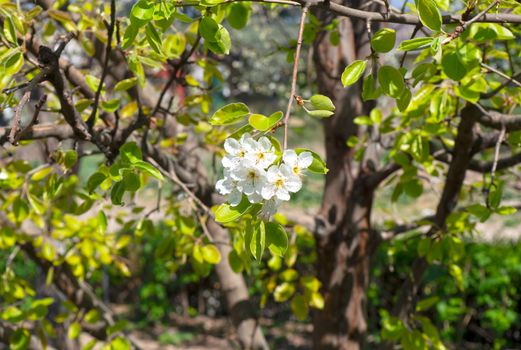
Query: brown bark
[[343, 229]]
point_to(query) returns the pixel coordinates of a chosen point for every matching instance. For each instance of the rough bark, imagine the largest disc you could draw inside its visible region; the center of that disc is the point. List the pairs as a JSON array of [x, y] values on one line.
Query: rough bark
[[343, 230]]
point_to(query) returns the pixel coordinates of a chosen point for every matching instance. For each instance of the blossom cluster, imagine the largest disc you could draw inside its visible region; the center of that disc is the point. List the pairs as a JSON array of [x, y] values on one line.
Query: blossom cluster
[[252, 168]]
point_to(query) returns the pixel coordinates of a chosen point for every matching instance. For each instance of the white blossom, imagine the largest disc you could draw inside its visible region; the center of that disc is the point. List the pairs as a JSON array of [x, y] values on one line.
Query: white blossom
[[237, 151], [297, 162], [262, 154], [269, 208], [281, 181], [252, 168], [228, 186], [251, 179]]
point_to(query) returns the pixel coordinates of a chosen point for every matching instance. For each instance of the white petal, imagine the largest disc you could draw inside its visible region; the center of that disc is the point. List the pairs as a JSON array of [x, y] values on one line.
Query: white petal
[[270, 157], [232, 146], [264, 143], [273, 173], [250, 145], [285, 170], [248, 187], [268, 192], [221, 187], [282, 194], [290, 157], [235, 198], [229, 161], [255, 197], [304, 160], [245, 137], [293, 184]]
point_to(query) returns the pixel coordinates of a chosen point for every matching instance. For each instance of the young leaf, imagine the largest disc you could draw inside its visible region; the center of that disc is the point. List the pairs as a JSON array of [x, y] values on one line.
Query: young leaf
[[429, 13], [211, 254], [149, 169], [276, 238], [229, 114], [263, 123], [383, 40], [415, 44], [353, 72], [391, 81], [322, 102], [226, 213], [125, 84], [238, 15], [258, 241], [320, 113]]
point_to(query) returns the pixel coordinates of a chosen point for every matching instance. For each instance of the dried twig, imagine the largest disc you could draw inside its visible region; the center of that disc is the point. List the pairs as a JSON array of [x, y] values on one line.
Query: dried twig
[[293, 91]]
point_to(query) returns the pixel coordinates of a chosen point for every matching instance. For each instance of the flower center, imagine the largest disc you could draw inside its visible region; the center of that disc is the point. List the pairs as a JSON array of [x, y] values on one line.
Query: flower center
[[296, 170], [252, 175], [242, 153], [279, 183]]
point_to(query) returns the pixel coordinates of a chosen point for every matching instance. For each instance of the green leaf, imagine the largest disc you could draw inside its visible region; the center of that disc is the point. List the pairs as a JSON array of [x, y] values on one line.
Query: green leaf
[[126, 84], [216, 37], [383, 40], [429, 13], [226, 213], [149, 169], [222, 43], [404, 100], [320, 113], [130, 35], [391, 81], [258, 241], [318, 166], [130, 152], [41, 174], [153, 38], [238, 15], [283, 292], [453, 65], [369, 89], [94, 181], [415, 44], [235, 262], [299, 307], [263, 123], [208, 28], [117, 192], [110, 105], [131, 181], [20, 339], [142, 11], [211, 254], [353, 72], [229, 114], [322, 102], [276, 238], [74, 330]]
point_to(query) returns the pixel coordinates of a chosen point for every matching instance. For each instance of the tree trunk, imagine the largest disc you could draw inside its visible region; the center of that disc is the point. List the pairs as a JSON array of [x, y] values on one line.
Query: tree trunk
[[343, 229], [242, 312]]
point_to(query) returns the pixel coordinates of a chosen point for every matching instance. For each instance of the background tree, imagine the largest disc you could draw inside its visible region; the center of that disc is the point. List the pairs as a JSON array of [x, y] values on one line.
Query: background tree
[[118, 98]]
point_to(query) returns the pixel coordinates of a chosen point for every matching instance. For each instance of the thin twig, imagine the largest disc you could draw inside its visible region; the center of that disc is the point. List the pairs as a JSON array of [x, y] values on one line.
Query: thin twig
[[461, 28], [295, 72], [501, 74], [110, 31], [15, 127], [172, 176], [34, 119]]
